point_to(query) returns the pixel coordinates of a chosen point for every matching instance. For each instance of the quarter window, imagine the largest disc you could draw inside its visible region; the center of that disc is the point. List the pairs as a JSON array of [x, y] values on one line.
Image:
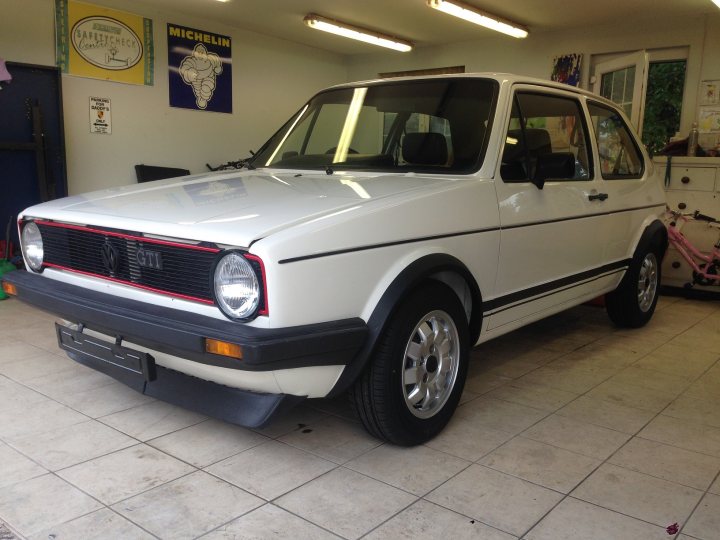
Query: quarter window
[[619, 155], [541, 125]]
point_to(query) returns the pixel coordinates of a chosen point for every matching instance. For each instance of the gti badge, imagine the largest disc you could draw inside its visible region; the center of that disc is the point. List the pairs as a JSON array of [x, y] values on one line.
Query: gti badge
[[149, 259], [110, 257]]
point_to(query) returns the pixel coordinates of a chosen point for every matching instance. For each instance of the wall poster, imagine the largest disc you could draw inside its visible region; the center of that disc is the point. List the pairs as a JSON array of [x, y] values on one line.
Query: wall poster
[[100, 115], [200, 69], [101, 43], [566, 69]]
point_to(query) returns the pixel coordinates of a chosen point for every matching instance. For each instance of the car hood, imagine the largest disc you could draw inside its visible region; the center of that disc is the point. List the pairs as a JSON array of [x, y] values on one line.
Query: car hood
[[235, 208]]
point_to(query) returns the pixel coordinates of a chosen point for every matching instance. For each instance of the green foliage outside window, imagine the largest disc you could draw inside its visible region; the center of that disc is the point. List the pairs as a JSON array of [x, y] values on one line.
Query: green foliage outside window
[[663, 103]]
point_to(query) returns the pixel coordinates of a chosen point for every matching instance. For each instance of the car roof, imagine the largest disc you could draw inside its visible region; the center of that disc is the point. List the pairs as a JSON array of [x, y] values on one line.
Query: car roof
[[503, 78]]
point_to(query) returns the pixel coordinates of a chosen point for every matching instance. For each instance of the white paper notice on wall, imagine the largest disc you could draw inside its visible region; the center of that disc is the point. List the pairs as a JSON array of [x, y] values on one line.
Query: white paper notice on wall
[[100, 115]]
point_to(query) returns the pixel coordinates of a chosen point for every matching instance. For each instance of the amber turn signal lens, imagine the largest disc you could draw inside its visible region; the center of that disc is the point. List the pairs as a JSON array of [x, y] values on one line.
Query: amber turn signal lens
[[223, 348], [9, 288]]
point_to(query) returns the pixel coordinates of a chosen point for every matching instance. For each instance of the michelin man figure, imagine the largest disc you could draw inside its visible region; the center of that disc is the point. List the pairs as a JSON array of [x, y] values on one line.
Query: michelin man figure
[[200, 70]]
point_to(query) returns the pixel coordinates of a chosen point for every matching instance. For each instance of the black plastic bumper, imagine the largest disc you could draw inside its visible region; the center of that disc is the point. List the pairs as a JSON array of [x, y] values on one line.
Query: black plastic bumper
[[182, 333], [249, 409]]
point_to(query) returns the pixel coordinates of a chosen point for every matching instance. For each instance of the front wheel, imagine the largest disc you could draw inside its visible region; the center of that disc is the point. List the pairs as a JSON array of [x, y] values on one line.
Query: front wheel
[[633, 303], [413, 384]]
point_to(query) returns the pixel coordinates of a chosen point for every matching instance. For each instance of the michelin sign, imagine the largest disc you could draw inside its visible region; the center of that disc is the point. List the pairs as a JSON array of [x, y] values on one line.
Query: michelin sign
[[200, 66]]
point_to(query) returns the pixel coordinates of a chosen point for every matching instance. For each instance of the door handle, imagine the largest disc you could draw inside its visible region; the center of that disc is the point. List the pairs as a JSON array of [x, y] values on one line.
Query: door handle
[[598, 196]]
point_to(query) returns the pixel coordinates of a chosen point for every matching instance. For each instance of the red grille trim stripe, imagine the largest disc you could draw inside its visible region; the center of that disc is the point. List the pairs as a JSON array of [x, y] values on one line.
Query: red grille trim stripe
[[131, 284], [266, 309]]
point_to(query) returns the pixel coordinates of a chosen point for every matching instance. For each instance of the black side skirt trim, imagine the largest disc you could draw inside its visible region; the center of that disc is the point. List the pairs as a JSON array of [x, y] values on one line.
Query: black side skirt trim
[[552, 287]]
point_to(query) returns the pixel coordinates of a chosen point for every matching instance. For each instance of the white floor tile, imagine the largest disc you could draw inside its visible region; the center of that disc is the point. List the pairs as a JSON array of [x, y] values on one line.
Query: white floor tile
[[541, 463], [417, 470], [488, 495], [345, 502], [34, 505], [668, 462], [152, 420], [271, 469], [207, 442], [70, 445], [269, 521], [427, 520], [705, 521], [638, 495], [125, 473], [577, 520], [172, 510], [97, 525]]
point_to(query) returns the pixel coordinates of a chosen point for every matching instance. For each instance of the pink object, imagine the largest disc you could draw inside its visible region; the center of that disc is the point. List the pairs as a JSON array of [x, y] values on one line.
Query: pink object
[[673, 529], [4, 73], [706, 268]]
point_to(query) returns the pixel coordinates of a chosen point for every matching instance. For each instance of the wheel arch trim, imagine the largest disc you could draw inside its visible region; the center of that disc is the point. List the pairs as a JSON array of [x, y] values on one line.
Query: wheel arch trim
[[437, 266]]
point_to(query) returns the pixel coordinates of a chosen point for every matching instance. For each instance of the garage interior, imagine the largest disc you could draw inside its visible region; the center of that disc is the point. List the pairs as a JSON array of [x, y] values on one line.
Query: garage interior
[[568, 429]]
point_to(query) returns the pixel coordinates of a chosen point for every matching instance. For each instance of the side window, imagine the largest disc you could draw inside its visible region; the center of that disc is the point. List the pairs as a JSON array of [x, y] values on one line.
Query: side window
[[540, 125], [619, 155]]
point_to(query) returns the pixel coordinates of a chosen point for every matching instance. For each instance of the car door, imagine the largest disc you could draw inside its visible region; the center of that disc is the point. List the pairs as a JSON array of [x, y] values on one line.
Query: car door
[[551, 251], [622, 178]]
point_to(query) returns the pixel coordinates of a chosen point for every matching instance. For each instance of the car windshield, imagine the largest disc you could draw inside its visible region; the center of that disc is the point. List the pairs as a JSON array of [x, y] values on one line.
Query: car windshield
[[435, 125]]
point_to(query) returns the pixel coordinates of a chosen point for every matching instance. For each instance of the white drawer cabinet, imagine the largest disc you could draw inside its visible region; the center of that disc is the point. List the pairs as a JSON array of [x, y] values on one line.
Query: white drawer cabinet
[[683, 178], [694, 184]]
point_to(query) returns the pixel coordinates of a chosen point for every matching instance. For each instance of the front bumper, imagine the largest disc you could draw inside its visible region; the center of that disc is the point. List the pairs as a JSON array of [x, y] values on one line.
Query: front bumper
[[182, 334]]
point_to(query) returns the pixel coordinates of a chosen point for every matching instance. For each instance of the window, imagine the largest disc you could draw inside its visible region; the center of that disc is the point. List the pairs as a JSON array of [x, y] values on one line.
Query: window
[[543, 125], [649, 87], [619, 154], [437, 125]]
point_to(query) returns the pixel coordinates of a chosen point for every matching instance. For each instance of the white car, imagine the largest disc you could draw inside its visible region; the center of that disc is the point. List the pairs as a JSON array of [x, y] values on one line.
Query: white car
[[379, 235]]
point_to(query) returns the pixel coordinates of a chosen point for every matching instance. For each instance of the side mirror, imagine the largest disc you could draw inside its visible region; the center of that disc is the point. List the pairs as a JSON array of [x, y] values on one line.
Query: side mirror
[[559, 165]]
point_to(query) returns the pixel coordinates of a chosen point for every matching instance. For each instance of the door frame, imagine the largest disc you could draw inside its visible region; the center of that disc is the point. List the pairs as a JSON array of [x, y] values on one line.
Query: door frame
[[641, 61], [61, 117]]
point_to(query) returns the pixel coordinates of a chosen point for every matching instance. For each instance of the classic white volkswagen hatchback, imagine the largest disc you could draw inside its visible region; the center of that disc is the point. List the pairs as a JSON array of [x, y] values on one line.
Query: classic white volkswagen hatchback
[[383, 231]]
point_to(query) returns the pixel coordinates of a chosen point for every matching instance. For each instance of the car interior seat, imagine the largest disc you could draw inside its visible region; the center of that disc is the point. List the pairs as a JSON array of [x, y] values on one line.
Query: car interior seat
[[425, 149]]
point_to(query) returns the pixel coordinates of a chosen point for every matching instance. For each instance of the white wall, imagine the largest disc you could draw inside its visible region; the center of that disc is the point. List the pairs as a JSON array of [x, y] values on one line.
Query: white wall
[[533, 56], [271, 79]]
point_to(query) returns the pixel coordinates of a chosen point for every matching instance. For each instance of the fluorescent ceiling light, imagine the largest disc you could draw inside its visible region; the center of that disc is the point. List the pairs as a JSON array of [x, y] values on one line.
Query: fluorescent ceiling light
[[474, 15], [341, 29]]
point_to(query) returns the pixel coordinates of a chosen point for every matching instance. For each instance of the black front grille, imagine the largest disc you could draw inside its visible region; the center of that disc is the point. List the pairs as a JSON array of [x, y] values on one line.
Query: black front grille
[[185, 271]]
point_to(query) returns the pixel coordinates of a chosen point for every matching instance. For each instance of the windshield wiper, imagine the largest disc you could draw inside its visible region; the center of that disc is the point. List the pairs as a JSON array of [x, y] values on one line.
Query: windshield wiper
[[239, 164]]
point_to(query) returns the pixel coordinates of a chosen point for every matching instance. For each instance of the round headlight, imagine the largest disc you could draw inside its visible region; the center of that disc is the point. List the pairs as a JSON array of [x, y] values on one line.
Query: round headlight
[[32, 245], [236, 286]]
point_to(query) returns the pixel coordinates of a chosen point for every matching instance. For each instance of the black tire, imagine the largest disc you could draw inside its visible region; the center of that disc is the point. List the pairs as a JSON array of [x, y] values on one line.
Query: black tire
[[384, 393], [633, 303]]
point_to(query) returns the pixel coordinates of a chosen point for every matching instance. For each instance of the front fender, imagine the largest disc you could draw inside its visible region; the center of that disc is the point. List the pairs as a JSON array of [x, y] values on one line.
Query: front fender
[[438, 266]]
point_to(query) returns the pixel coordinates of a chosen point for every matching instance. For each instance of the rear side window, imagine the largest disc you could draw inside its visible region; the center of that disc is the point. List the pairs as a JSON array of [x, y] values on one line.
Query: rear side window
[[543, 124], [619, 154]]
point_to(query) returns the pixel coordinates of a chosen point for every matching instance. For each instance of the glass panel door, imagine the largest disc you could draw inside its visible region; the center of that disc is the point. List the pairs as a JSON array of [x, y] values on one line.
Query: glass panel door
[[623, 81]]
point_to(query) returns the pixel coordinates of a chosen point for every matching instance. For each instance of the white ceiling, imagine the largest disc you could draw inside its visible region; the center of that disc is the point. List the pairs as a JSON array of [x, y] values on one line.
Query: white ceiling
[[414, 21]]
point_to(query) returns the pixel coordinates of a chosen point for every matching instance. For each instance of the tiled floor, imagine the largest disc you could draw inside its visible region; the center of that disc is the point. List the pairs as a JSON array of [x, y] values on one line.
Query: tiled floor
[[569, 429]]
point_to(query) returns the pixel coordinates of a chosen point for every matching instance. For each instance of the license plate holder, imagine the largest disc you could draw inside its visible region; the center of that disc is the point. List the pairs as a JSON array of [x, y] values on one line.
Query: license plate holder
[[115, 360]]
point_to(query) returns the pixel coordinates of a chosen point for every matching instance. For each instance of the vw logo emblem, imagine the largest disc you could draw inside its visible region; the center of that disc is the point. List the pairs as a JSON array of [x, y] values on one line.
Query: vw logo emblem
[[110, 257]]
